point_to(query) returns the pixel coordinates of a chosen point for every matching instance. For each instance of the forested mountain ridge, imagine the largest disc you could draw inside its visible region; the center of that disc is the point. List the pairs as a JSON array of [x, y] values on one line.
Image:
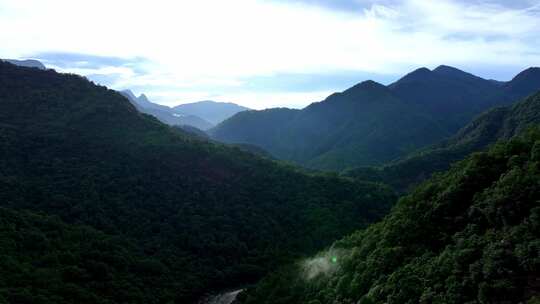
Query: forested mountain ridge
[[263, 130], [169, 216], [500, 123], [449, 95], [45, 260], [470, 235], [524, 83], [371, 124], [365, 124]]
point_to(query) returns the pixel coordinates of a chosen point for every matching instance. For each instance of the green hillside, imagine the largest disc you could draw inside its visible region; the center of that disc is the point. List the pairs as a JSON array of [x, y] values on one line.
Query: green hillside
[[195, 216], [371, 124], [470, 235], [363, 125], [497, 124]]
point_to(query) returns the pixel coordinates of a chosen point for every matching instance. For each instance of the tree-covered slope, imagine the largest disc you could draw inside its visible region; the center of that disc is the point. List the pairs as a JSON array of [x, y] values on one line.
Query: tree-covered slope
[[451, 96], [497, 124], [44, 260], [470, 235], [207, 216], [370, 124], [363, 125], [266, 129], [523, 84]]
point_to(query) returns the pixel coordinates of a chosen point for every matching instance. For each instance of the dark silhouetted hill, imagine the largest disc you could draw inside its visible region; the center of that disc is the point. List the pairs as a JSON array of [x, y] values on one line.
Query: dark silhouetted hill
[[100, 203], [371, 124], [497, 124]]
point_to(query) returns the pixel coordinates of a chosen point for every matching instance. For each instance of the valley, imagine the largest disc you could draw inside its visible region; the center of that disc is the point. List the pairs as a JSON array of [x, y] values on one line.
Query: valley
[[270, 152], [223, 216]]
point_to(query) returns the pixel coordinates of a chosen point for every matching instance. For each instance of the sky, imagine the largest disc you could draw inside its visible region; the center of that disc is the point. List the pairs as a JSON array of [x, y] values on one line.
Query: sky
[[268, 53]]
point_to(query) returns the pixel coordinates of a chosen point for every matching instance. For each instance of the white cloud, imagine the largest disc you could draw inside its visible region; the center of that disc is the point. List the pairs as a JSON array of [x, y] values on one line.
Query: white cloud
[[210, 43]]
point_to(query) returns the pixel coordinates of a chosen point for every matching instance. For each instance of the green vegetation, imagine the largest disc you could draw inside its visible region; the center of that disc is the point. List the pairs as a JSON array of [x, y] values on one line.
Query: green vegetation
[[364, 125], [371, 124], [102, 204], [494, 125], [470, 235], [44, 260]]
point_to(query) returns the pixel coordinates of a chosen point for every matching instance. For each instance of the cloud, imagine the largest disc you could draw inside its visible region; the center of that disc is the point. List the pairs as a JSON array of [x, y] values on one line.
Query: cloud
[[219, 47], [344, 5], [67, 60], [324, 264], [354, 5]]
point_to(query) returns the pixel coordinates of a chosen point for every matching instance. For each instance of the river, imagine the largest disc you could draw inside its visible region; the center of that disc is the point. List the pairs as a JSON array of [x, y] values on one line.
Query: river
[[224, 298]]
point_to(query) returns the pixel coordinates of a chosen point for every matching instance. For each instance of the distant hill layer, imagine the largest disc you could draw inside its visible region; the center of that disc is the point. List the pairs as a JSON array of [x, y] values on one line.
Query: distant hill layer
[[212, 111], [166, 114], [371, 124], [29, 63], [100, 203], [497, 124]]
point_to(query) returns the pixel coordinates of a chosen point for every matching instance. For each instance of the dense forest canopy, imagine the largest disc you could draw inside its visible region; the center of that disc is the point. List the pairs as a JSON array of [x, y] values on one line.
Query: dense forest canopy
[[470, 235], [100, 203], [372, 124], [124, 209], [501, 123], [270, 152]]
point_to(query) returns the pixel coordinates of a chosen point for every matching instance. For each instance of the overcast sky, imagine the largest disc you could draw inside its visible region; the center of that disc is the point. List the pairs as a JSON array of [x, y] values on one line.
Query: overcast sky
[[268, 53]]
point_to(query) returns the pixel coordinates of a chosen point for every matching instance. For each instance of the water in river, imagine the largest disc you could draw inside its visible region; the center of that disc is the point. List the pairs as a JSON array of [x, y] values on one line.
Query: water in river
[[224, 298]]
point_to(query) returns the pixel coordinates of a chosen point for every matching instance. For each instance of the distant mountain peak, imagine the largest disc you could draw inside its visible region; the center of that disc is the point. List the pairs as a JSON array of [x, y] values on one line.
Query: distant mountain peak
[[421, 70], [212, 102], [143, 97], [164, 113], [446, 68], [454, 73], [371, 84], [212, 111], [418, 74], [530, 72], [524, 82], [29, 63], [367, 85]]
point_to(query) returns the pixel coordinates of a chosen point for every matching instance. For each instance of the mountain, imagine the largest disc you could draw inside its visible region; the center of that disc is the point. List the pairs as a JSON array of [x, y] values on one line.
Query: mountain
[[165, 114], [365, 124], [451, 96], [200, 134], [523, 83], [29, 63], [102, 204], [500, 123], [259, 128], [470, 235], [371, 124], [214, 112]]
